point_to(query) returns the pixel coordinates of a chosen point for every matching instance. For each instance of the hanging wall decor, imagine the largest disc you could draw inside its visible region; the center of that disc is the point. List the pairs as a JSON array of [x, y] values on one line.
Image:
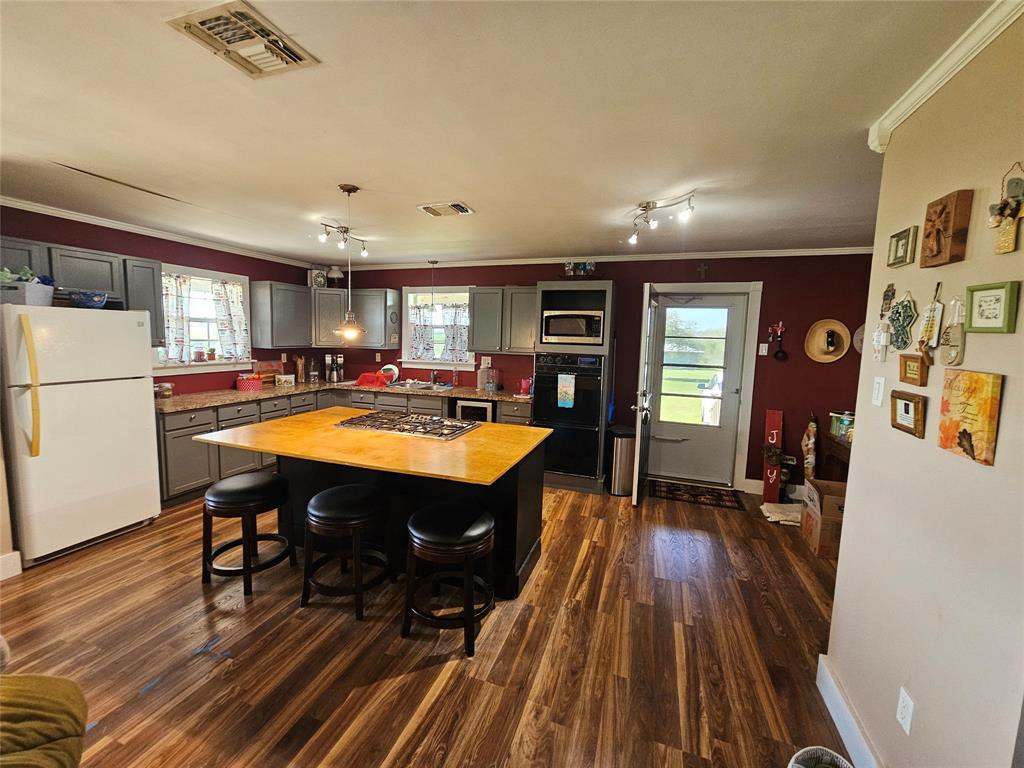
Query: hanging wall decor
[[880, 341], [901, 247], [1006, 214], [858, 339], [951, 340], [992, 308], [887, 296], [902, 315], [906, 412], [969, 418], [946, 221]]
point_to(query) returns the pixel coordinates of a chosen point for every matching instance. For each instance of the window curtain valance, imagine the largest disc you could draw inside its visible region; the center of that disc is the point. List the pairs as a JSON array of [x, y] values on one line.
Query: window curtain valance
[[454, 322]]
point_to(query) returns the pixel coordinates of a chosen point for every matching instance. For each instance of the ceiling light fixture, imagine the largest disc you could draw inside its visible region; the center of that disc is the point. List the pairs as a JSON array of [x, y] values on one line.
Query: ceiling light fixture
[[642, 213], [344, 233], [350, 329]]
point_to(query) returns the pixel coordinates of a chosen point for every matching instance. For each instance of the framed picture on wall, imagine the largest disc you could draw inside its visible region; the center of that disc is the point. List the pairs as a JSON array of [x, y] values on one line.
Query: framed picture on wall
[[969, 418], [906, 412], [901, 248], [913, 370], [992, 308]]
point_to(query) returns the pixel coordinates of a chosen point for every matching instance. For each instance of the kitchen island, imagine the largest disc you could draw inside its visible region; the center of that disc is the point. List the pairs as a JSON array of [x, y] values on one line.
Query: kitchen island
[[496, 467]]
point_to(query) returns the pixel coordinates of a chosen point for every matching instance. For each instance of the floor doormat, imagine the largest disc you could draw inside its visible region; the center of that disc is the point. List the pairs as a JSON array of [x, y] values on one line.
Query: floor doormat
[[695, 494]]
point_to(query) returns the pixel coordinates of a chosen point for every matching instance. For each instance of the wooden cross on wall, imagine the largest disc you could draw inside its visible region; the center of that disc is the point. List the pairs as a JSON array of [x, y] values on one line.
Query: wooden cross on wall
[[703, 270]]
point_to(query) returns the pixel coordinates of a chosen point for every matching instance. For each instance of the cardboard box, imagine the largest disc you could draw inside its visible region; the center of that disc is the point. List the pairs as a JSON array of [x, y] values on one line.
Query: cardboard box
[[822, 524]]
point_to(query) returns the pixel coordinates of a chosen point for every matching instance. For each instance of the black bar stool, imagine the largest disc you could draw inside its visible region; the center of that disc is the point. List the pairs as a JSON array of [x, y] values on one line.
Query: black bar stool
[[447, 533], [340, 513], [245, 497]]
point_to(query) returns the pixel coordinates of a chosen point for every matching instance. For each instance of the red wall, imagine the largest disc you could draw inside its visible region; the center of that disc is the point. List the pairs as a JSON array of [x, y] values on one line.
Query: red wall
[[797, 290]]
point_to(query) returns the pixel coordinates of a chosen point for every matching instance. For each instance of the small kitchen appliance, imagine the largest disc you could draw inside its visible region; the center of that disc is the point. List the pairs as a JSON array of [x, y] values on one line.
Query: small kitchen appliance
[[572, 326]]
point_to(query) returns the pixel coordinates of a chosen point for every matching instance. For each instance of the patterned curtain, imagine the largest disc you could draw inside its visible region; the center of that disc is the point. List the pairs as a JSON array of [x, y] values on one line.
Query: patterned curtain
[[231, 326], [175, 294], [421, 345], [456, 332]]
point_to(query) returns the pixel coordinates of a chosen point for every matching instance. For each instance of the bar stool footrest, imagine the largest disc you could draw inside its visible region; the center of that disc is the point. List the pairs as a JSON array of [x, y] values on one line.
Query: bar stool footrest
[[259, 565], [370, 556], [455, 620]]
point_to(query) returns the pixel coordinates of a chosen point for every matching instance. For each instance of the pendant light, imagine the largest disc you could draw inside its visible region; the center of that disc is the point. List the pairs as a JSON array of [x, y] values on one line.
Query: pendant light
[[350, 330]]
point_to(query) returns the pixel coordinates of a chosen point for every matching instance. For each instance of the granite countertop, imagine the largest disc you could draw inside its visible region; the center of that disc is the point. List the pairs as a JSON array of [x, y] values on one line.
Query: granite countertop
[[218, 397]]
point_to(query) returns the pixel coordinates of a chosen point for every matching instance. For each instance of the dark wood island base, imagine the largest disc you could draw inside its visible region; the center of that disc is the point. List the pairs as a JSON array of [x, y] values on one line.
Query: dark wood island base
[[515, 500]]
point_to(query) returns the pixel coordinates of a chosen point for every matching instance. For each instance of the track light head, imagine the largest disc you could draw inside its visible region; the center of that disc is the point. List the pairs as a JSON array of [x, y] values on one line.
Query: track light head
[[322, 237], [634, 237], [364, 253], [652, 223], [686, 214]]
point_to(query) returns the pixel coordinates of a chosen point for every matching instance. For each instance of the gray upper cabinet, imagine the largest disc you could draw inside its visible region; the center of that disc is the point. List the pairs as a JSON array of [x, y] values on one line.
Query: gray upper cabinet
[[144, 290], [17, 254], [502, 319], [485, 315], [519, 327], [281, 315], [378, 310], [328, 313], [73, 268]]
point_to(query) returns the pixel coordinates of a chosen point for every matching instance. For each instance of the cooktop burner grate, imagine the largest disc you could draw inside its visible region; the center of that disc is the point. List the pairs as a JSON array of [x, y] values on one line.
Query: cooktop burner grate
[[417, 424]]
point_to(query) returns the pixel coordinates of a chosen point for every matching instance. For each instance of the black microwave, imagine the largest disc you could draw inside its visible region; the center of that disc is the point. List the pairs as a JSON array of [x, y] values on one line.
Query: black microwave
[[572, 326]]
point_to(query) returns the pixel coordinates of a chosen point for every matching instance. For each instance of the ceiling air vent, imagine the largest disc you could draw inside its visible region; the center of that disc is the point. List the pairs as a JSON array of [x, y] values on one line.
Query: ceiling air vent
[[454, 208], [244, 38]]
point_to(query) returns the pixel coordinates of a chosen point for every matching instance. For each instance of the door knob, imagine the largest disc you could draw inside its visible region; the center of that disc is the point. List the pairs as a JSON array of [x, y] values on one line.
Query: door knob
[[633, 408]]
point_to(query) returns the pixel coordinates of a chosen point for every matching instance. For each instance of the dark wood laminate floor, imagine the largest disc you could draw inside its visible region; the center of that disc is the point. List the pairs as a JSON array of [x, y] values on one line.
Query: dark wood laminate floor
[[672, 635]]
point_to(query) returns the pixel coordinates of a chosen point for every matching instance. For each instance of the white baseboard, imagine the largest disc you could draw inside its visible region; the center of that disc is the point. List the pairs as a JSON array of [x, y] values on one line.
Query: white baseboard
[[748, 485], [843, 715], [10, 565]]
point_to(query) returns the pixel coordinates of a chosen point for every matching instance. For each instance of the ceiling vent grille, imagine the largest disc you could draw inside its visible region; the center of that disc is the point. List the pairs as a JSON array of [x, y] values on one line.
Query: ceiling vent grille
[[245, 39], [454, 208]]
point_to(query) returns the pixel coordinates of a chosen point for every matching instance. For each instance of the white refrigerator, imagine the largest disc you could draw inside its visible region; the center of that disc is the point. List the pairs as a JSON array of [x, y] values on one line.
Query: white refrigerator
[[79, 425]]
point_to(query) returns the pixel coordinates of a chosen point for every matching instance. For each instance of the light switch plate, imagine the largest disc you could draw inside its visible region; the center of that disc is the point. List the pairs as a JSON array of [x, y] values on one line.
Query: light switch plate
[[878, 391], [377, 357], [485, 361], [284, 357], [762, 350], [905, 710]]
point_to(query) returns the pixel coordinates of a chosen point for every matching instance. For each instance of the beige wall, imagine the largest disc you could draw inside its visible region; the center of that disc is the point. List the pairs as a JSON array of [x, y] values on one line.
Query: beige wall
[[930, 590]]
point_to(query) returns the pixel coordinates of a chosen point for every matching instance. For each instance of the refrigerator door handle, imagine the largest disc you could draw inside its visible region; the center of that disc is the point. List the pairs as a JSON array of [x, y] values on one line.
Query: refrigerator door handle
[[33, 373]]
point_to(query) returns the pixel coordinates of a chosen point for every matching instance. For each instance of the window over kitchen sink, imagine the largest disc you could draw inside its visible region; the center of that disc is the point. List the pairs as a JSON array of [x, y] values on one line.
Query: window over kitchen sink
[[435, 328], [206, 318]]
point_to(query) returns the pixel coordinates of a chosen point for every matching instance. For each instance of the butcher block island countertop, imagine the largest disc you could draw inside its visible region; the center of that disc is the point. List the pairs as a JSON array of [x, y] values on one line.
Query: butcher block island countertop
[[479, 457], [218, 397]]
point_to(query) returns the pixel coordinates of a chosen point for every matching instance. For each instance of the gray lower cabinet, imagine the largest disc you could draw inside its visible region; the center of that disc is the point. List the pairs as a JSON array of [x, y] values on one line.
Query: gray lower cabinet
[[281, 315], [187, 465], [269, 459], [16, 254], [379, 311], [303, 400], [325, 400], [235, 461], [427, 405], [328, 313], [143, 286], [485, 315], [519, 320], [359, 399], [514, 413], [389, 401], [343, 398], [73, 268]]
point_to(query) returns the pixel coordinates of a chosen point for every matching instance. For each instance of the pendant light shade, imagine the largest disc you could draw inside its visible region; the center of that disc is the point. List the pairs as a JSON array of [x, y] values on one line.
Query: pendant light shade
[[350, 329]]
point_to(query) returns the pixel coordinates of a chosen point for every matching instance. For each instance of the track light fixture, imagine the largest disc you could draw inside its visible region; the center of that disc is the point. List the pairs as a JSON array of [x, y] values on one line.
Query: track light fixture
[[344, 233], [643, 213]]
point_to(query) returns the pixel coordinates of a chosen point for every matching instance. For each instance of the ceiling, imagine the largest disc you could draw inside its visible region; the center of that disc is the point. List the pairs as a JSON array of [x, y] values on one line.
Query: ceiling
[[550, 119]]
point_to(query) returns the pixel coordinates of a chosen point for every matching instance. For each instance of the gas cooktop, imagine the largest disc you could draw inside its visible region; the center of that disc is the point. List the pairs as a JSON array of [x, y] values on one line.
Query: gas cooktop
[[410, 424]]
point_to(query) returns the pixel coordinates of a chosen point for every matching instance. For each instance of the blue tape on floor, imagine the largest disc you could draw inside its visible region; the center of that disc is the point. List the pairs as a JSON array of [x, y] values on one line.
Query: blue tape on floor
[[91, 725], [207, 646], [151, 685]]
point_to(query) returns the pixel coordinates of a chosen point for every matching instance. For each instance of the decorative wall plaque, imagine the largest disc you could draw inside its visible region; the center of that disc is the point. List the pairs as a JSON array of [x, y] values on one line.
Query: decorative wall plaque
[[945, 229]]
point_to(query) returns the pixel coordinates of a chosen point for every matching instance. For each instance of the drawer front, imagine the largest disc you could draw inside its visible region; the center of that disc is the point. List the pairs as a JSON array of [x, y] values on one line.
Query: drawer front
[[278, 405], [391, 401], [174, 421], [325, 399], [362, 397], [392, 408], [303, 408], [307, 399], [515, 420], [240, 411], [421, 404], [515, 410]]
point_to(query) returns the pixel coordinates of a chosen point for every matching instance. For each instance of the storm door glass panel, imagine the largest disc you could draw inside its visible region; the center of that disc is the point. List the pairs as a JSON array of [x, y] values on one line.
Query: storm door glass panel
[[693, 365]]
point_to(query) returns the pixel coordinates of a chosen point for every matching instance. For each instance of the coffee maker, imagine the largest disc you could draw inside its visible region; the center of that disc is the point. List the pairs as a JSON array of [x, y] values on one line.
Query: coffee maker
[[333, 371]]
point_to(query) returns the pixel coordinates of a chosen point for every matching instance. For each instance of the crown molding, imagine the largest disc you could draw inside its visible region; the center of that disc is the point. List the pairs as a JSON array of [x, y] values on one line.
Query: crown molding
[[49, 210], [703, 255], [988, 26]]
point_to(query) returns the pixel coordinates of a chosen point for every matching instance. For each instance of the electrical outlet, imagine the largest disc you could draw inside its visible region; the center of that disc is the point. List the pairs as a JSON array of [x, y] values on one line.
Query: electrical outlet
[[284, 357], [878, 391], [485, 361], [905, 710], [762, 350], [377, 357]]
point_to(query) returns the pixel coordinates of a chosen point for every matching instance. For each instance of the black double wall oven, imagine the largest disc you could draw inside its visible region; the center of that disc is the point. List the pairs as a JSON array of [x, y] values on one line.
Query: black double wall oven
[[575, 417]]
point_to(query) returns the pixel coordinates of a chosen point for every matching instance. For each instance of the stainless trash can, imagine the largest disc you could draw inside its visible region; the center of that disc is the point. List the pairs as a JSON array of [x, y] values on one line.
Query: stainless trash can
[[620, 471]]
